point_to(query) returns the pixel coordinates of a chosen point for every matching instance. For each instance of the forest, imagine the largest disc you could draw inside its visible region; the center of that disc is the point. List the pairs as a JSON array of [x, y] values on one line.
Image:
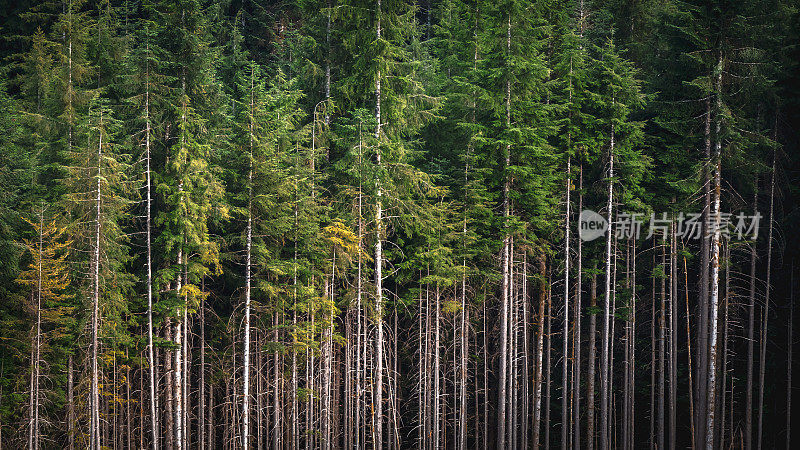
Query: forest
[[398, 224]]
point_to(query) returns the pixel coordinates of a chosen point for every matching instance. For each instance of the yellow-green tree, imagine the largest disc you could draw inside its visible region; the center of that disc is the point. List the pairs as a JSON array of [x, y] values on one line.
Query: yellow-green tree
[[46, 278]]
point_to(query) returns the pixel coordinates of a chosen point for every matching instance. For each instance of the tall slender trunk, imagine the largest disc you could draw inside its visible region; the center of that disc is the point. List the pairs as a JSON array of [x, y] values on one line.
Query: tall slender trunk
[[537, 378], [359, 289], [95, 392], [632, 367], [748, 409], [701, 379], [767, 286], [789, 343], [33, 407], [378, 406], [725, 321], [485, 380], [689, 352], [437, 408], [247, 271], [202, 421], [169, 394], [277, 389], [653, 350], [711, 387], [464, 341], [673, 343], [590, 376], [149, 204], [604, 355], [660, 428], [548, 366], [70, 405], [576, 326], [565, 346], [504, 300]]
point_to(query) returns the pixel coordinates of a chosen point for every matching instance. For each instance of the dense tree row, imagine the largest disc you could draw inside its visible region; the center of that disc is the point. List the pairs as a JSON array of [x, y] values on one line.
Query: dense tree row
[[357, 223]]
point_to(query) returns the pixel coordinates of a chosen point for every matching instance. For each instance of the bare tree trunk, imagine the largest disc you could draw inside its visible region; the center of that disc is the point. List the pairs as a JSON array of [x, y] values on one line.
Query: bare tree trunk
[[70, 405], [763, 353], [604, 355], [689, 351], [149, 204], [359, 288], [548, 366], [748, 409], [576, 325], [565, 346], [715, 261], [660, 428], [202, 422], [464, 344], [725, 319], [653, 350], [485, 381], [95, 443], [701, 380], [437, 411], [632, 366], [378, 402], [169, 394], [673, 343], [537, 378], [276, 385], [789, 343], [33, 431], [590, 376], [247, 271]]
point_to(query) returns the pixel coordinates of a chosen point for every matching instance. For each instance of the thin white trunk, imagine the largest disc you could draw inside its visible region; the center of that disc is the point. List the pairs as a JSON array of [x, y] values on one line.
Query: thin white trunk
[[504, 300], [576, 343], [565, 346], [604, 355], [95, 390], [149, 203], [711, 394], [378, 406], [247, 271]]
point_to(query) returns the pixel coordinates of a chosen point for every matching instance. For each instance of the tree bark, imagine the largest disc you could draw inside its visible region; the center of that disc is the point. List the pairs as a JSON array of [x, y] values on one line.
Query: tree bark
[[748, 409], [764, 335], [604, 355], [590, 376], [565, 345]]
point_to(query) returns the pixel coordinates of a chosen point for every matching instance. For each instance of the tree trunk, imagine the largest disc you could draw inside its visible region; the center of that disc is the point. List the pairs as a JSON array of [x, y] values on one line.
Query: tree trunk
[[748, 410], [565, 331], [548, 366], [537, 379], [702, 322], [789, 343], [604, 355], [590, 376], [95, 443], [247, 271], [149, 204], [764, 335], [576, 325], [70, 405], [660, 428], [378, 403], [715, 261]]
